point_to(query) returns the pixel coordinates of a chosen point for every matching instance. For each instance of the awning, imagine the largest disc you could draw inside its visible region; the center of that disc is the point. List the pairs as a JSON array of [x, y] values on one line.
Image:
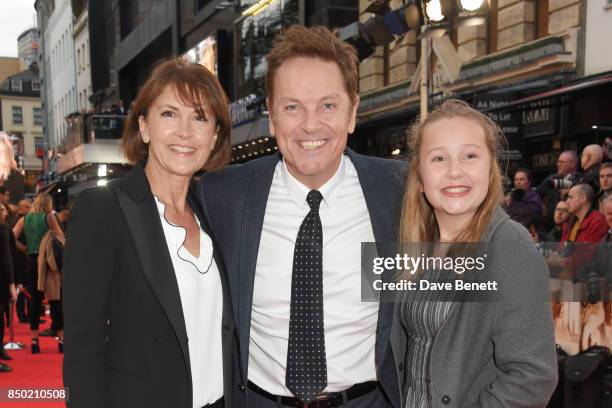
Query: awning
[[583, 84]]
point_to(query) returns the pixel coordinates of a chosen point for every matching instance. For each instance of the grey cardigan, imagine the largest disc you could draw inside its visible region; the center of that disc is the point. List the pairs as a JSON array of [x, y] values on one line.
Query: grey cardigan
[[500, 353]]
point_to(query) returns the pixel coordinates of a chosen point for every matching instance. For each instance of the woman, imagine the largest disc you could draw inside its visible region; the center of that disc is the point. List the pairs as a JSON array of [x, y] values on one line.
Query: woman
[[461, 353], [35, 224], [7, 280], [50, 265], [524, 201], [141, 275]]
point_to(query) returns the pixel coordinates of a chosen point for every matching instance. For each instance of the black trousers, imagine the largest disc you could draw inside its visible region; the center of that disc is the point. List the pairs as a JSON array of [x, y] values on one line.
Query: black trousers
[[21, 307], [35, 302]]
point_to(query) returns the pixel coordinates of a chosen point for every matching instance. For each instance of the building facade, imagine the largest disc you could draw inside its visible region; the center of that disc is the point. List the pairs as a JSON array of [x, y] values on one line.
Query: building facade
[[524, 66], [58, 76], [82, 52], [231, 38], [28, 46], [82, 145], [598, 31], [21, 116]]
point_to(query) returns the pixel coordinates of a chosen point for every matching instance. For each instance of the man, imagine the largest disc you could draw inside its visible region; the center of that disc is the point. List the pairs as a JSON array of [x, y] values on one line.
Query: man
[[603, 259], [607, 148], [567, 164], [590, 160], [314, 202], [605, 182], [586, 224], [561, 216], [554, 188]]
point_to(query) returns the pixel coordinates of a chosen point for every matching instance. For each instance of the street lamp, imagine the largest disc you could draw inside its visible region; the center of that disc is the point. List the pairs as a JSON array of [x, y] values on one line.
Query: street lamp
[[436, 23], [433, 9], [471, 5]]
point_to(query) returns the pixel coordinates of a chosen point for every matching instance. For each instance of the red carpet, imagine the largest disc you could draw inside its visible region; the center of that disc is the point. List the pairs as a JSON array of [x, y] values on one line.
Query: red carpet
[[42, 370]]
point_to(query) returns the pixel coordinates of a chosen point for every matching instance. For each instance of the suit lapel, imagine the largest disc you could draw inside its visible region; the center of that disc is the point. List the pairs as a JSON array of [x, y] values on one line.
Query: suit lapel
[[384, 225], [250, 236], [142, 217]]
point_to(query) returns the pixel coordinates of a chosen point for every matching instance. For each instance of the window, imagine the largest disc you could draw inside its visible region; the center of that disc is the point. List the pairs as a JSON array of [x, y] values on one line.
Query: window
[[37, 115], [39, 146], [16, 85], [17, 115], [36, 85]]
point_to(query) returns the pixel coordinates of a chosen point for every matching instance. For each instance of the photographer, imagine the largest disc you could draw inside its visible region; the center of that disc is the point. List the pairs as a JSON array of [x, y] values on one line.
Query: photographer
[[554, 188]]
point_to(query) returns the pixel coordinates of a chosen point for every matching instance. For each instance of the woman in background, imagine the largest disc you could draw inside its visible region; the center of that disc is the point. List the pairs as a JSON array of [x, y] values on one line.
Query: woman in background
[[524, 201], [466, 353], [34, 225]]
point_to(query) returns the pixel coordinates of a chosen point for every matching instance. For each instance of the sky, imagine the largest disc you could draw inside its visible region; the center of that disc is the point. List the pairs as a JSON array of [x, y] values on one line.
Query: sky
[[16, 16]]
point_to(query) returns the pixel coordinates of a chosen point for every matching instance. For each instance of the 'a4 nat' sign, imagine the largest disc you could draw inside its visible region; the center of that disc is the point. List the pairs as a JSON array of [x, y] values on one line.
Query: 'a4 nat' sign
[[509, 121]]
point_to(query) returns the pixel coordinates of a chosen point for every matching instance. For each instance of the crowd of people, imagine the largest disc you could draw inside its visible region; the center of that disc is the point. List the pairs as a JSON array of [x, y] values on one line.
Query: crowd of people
[[569, 205], [31, 253], [569, 217]]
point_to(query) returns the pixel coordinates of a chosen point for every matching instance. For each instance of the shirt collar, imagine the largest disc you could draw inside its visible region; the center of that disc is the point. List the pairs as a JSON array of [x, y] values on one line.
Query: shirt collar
[[299, 191]]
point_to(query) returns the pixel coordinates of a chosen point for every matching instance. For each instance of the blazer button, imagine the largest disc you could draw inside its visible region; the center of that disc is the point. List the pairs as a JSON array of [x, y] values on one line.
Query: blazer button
[[401, 366], [242, 387], [446, 400]]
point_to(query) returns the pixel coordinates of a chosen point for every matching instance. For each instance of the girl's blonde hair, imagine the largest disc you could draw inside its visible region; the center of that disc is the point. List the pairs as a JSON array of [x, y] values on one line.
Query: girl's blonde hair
[[418, 222], [43, 203]]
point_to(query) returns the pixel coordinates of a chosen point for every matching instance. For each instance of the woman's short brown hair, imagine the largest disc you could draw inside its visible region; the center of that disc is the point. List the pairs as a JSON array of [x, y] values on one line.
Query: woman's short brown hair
[[315, 42], [195, 86]]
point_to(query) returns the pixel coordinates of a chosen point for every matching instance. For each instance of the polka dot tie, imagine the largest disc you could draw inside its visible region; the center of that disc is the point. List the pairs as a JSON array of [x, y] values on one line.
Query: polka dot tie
[[306, 373]]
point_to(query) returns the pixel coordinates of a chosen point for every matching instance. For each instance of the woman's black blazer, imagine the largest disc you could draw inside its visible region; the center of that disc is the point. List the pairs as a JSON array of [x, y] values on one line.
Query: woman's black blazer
[[125, 337]]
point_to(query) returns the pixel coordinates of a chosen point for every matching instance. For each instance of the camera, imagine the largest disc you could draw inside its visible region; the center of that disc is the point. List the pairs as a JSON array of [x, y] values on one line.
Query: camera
[[561, 182]]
